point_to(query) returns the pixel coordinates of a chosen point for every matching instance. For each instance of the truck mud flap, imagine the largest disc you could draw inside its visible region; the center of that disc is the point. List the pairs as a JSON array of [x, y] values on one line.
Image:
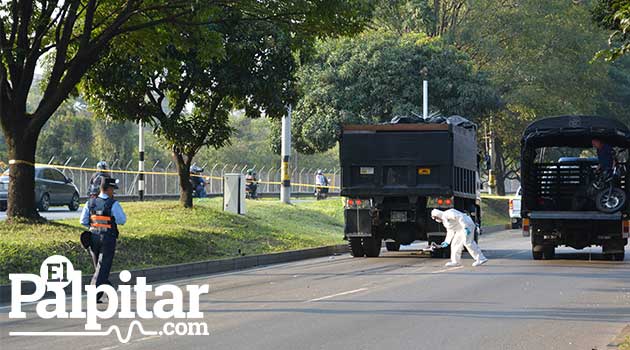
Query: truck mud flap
[[358, 223]]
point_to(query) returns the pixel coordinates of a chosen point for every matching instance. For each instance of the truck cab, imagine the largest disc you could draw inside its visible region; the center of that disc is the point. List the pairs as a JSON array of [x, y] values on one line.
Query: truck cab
[[557, 170]]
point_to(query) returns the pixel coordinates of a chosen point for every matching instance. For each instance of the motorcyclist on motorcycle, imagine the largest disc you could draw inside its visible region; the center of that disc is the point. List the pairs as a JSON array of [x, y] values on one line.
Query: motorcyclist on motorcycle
[[197, 181], [321, 184], [605, 155], [251, 184]]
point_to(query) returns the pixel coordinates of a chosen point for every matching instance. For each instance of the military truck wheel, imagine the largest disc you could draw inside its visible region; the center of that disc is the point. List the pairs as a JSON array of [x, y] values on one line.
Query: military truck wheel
[[392, 246], [549, 252], [537, 255], [356, 248], [372, 247], [618, 256]]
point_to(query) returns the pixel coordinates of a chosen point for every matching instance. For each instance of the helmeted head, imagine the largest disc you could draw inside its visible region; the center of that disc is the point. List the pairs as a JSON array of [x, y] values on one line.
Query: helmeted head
[[320, 172], [437, 214], [196, 170], [102, 165], [250, 171]]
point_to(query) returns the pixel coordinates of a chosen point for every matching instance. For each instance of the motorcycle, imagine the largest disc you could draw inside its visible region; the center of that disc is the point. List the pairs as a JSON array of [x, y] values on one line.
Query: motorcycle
[[321, 193], [251, 190], [609, 197]]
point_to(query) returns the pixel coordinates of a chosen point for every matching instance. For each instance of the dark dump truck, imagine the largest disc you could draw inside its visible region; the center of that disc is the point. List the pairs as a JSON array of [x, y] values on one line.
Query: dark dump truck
[[394, 174], [558, 168]]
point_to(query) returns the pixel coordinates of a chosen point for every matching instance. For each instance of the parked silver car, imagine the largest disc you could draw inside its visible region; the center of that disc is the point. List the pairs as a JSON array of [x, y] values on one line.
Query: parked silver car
[[52, 188]]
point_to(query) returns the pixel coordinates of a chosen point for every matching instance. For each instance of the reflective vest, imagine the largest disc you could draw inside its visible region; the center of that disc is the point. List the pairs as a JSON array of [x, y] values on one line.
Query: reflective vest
[[101, 218]]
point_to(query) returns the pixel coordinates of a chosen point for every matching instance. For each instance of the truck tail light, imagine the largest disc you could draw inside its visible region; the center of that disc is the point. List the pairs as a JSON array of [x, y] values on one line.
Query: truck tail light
[[525, 226], [625, 228], [440, 202], [511, 204], [353, 203]]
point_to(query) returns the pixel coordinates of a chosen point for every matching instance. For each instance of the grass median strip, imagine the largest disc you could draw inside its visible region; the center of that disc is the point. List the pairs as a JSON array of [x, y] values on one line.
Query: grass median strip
[[161, 233]]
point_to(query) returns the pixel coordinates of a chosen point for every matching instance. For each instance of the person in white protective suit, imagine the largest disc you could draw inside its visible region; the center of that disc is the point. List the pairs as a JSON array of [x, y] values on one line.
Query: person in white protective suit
[[460, 233]]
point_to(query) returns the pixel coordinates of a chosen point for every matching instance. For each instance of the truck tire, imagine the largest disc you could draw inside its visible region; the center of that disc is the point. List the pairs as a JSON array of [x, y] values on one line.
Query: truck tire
[[392, 246], [372, 247], [537, 255], [356, 248], [549, 252]]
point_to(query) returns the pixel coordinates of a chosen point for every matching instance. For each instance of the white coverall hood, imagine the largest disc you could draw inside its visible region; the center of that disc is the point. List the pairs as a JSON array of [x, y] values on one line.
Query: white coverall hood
[[436, 214]]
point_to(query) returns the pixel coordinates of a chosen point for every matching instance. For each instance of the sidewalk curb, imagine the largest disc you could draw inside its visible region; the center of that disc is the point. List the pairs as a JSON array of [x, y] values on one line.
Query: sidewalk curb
[[620, 338], [495, 228], [201, 268]]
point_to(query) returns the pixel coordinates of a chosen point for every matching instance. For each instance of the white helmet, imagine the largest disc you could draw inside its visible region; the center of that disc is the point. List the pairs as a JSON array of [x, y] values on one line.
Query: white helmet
[[102, 165], [319, 172]]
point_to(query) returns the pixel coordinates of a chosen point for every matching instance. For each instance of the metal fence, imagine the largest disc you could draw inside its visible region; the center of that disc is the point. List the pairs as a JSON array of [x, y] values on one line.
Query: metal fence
[[162, 179]]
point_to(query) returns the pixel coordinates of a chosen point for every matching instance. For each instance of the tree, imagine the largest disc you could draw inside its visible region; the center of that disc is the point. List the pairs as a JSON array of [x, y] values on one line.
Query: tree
[[538, 55], [238, 63], [69, 36], [614, 15], [432, 17], [376, 76]]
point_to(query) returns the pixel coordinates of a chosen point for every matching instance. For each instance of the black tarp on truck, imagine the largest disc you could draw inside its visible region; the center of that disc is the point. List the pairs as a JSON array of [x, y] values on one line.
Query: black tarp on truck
[[394, 174], [556, 173]]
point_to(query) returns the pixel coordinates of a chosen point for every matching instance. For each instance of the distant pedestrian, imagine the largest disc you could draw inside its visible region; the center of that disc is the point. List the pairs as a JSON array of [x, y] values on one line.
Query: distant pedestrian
[[102, 215]]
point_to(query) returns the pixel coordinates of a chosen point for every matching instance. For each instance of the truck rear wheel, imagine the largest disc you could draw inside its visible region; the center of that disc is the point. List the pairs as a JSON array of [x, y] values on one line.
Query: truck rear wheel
[[392, 246], [537, 255], [372, 247], [356, 248], [549, 252]]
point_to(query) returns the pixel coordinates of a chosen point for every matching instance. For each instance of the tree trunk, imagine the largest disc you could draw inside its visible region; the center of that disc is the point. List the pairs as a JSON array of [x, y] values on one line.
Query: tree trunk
[[185, 187], [22, 143], [499, 168]]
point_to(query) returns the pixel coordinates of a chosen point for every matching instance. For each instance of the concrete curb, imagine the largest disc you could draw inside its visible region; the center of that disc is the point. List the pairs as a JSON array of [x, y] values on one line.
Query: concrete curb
[[169, 272], [495, 228], [619, 339]]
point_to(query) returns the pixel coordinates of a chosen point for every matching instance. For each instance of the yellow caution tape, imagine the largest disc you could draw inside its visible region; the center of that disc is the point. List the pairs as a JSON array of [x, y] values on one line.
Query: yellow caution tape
[[491, 196], [65, 167]]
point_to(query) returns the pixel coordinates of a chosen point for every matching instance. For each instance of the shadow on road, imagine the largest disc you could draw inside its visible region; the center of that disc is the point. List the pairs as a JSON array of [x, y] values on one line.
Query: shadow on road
[[611, 315]]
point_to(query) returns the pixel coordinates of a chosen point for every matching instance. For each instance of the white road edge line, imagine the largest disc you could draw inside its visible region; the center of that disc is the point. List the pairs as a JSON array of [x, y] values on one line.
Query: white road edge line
[[337, 295], [449, 269]]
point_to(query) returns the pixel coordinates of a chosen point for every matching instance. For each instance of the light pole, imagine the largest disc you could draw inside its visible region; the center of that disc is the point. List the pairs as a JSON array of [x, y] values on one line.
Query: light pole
[[141, 161], [285, 190]]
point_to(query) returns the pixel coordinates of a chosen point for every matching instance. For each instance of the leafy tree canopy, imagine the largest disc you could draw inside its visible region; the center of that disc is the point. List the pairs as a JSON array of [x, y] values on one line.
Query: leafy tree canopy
[[378, 75]]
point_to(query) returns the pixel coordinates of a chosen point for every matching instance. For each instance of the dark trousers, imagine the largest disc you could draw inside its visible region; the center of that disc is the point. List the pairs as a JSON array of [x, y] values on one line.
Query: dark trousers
[[102, 248]]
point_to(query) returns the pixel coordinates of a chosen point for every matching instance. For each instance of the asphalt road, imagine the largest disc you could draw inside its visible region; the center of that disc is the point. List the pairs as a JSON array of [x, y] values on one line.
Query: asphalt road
[[401, 300], [55, 213]]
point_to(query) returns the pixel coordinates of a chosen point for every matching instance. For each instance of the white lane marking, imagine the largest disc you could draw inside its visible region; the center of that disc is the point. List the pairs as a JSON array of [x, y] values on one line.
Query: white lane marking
[[147, 338], [449, 269], [110, 347], [337, 295]]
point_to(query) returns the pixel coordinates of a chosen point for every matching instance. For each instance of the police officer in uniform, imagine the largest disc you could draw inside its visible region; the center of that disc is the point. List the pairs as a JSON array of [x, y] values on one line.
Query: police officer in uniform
[[97, 179], [102, 215]]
